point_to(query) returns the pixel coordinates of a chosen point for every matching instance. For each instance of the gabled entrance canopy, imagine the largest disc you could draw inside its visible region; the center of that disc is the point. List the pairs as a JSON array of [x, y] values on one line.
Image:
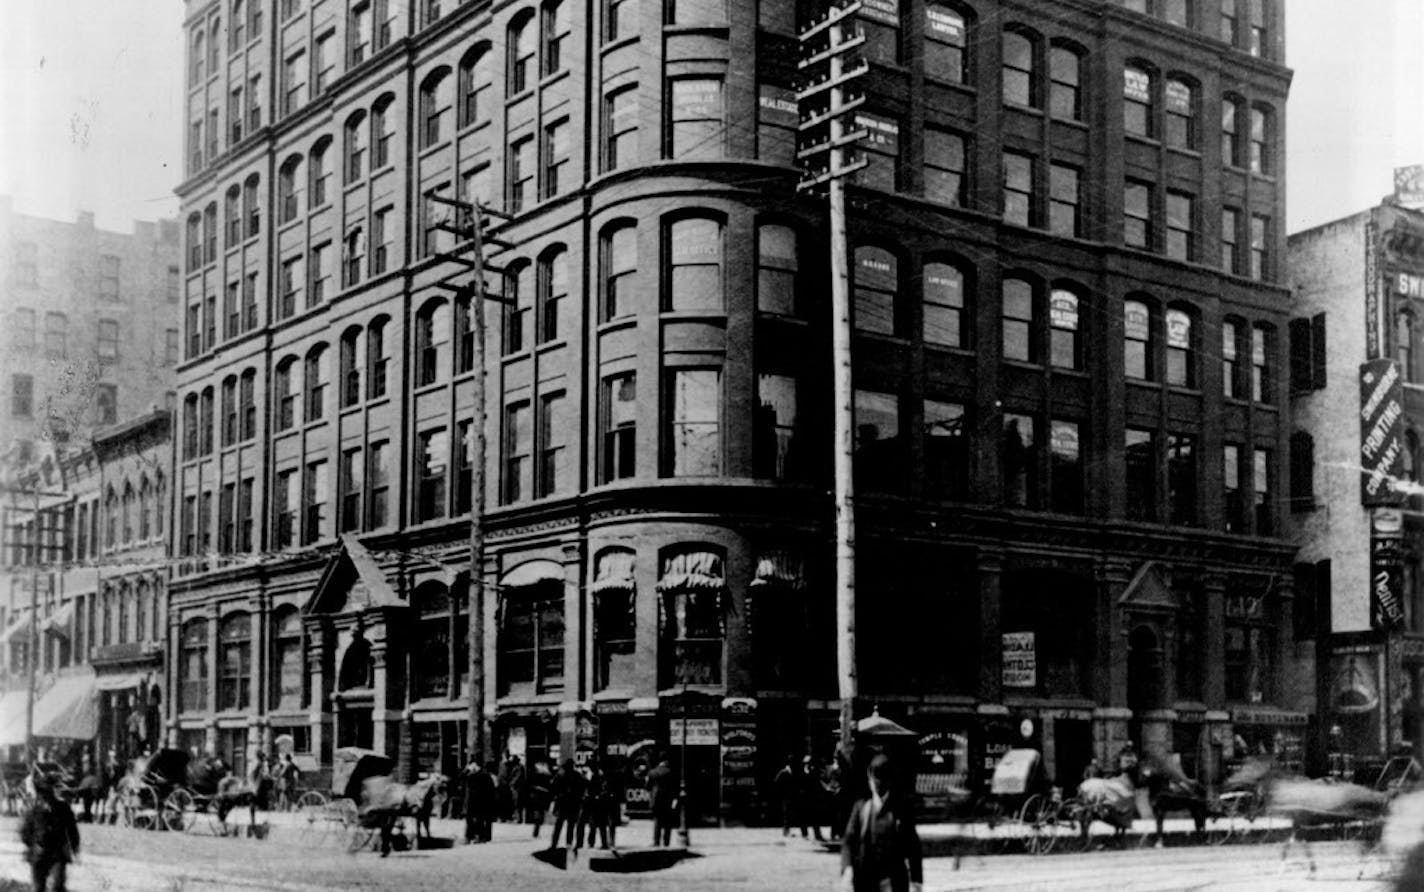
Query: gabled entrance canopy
[[351, 583]]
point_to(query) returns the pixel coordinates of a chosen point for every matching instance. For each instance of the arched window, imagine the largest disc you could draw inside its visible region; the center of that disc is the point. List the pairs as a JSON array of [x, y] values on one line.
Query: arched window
[[1181, 352], [251, 208], [553, 290], [432, 341], [229, 410], [1262, 344], [1065, 344], [289, 675], [190, 426], [520, 43], [876, 289], [1137, 101], [383, 131], [284, 393], [556, 29], [518, 306], [1262, 140], [691, 594], [319, 172], [355, 149], [1020, 82], [289, 188], [236, 27], [314, 380], [247, 404], [1181, 113], [1020, 340], [530, 642], [944, 305], [196, 60], [777, 266], [475, 82], [130, 503], [1065, 82], [695, 265], [192, 666], [235, 661], [232, 213], [1137, 340], [195, 241], [946, 50], [350, 367], [145, 501], [614, 619], [619, 262], [431, 655], [205, 422], [377, 358], [1231, 120]]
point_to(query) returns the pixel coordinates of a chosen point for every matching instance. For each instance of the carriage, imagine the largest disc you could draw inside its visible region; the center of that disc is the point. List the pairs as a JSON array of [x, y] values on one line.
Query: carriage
[[338, 816], [1022, 809], [170, 791]]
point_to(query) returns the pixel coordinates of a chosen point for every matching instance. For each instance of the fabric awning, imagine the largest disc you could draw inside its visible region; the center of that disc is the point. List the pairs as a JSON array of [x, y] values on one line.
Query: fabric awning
[[12, 717], [119, 681], [533, 573], [692, 570], [57, 623], [613, 573], [14, 628], [780, 568], [69, 708]]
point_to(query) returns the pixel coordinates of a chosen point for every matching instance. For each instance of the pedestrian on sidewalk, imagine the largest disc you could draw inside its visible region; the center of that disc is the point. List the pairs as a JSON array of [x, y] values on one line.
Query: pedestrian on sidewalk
[[881, 849], [594, 817], [566, 792], [479, 801], [50, 836], [537, 794], [786, 786], [831, 797], [808, 782], [289, 778], [516, 789], [662, 793]]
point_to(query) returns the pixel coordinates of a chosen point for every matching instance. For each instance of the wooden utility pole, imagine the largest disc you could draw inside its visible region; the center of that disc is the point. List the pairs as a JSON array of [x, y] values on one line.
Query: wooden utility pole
[[827, 151], [469, 228]]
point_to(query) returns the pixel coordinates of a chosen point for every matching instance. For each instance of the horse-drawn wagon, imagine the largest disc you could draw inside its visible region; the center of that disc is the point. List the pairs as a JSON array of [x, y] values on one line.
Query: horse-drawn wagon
[[172, 791], [1021, 807], [366, 802]]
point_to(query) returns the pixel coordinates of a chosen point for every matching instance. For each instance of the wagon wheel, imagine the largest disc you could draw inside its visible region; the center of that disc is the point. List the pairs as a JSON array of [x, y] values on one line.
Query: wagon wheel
[[178, 813], [1040, 817], [311, 816], [356, 837], [990, 811], [139, 804]]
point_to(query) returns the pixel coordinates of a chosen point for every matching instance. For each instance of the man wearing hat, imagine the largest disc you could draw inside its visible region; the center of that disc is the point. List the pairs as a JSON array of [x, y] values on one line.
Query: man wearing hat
[[50, 836]]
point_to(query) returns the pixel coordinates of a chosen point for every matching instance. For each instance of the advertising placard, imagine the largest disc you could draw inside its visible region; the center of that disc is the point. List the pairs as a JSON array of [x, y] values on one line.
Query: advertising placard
[[1381, 431], [700, 732], [1373, 306], [1020, 662], [1387, 569], [884, 11]]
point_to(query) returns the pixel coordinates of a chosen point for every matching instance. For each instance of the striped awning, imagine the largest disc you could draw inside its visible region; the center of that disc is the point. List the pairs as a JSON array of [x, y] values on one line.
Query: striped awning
[[532, 573], [692, 571], [613, 572], [780, 568], [69, 709], [12, 717]]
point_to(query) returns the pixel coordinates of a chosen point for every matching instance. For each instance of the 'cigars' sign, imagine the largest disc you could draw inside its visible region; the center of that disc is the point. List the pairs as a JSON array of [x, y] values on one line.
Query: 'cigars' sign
[[1387, 569], [1381, 432]]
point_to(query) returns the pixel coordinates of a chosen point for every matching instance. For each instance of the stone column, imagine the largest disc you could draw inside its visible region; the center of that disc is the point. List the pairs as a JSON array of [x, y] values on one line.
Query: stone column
[[990, 565], [1110, 661]]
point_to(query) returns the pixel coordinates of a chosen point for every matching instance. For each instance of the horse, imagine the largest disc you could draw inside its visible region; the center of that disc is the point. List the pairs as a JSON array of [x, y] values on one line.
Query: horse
[[1168, 790], [385, 802], [1112, 800]]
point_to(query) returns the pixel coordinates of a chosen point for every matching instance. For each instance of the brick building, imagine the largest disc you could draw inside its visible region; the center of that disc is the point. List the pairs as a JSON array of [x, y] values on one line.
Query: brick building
[[1355, 491], [1069, 365]]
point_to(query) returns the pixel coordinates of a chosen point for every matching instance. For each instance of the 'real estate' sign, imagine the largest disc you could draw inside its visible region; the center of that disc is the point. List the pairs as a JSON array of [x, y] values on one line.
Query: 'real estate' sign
[[1381, 432]]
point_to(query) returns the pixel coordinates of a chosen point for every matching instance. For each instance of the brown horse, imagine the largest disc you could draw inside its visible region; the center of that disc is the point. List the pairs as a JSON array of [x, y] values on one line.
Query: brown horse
[[384, 802], [1168, 789]]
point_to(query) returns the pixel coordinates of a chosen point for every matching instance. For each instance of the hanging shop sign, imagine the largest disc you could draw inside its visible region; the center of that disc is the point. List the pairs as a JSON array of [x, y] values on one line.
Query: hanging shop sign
[[1387, 569], [1373, 304], [1020, 661], [1381, 432], [699, 732]]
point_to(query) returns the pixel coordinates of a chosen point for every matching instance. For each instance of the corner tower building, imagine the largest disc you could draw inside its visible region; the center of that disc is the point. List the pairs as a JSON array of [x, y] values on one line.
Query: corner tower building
[[1068, 360]]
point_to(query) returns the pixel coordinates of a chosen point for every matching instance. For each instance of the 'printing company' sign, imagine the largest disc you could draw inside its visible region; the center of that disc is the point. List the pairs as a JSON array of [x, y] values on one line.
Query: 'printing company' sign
[[1381, 431]]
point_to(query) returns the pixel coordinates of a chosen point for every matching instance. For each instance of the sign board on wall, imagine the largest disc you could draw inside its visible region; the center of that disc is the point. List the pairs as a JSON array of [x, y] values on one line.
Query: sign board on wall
[[1409, 184], [1381, 432], [1020, 662], [700, 732], [1373, 302], [1387, 569]]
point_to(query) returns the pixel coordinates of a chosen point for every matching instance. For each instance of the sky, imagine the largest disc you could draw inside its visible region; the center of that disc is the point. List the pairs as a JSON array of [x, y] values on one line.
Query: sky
[[91, 103]]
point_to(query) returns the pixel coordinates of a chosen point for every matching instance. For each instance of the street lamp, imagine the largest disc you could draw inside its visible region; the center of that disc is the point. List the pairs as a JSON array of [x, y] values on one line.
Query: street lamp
[[684, 839]]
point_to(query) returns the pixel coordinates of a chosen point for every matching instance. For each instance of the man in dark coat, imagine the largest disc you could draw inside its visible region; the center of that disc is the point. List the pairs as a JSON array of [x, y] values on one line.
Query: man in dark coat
[[881, 849], [479, 801], [516, 789], [50, 837], [566, 795], [786, 786], [662, 793]]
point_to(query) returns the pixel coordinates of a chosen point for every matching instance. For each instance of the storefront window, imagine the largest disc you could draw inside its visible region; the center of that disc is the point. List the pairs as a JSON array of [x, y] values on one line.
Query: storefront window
[[235, 662], [431, 664], [531, 638], [614, 619], [193, 666], [289, 679]]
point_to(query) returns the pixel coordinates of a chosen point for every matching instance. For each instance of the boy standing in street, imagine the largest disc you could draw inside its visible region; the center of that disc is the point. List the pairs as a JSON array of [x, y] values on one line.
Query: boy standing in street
[[50, 837]]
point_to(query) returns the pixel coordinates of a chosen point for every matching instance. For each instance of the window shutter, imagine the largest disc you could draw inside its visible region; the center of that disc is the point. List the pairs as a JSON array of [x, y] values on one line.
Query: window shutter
[[1323, 621], [1317, 352], [1302, 471], [1300, 354], [1306, 624]]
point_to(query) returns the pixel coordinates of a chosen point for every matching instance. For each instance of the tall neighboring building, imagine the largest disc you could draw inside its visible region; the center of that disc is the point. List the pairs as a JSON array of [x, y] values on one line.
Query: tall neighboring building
[[1357, 380], [91, 327], [1068, 263]]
